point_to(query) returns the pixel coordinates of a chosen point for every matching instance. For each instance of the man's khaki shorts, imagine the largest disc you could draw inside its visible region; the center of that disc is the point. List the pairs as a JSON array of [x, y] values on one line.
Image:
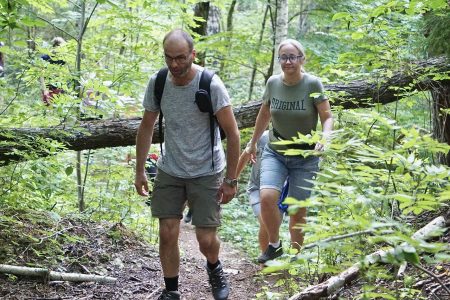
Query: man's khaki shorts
[[170, 195]]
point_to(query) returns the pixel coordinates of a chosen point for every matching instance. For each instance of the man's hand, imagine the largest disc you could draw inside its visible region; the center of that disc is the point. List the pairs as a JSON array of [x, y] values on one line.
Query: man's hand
[[143, 142], [46, 97], [141, 183], [226, 193]]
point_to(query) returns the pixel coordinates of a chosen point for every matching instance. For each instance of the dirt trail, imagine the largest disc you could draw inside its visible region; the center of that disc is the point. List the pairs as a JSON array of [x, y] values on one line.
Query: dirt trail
[[126, 257], [241, 271], [102, 248]]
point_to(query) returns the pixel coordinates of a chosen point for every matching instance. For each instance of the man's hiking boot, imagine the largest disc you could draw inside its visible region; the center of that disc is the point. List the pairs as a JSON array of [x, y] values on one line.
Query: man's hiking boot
[[172, 295], [219, 283], [270, 253]]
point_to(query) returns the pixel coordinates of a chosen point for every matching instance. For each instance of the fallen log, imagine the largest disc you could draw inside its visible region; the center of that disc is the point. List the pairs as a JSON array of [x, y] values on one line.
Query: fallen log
[[335, 283], [122, 132], [420, 234], [47, 275]]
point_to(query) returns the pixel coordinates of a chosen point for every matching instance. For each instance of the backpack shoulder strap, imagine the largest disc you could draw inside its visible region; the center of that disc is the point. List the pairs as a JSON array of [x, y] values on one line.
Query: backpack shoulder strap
[[205, 82], [160, 82]]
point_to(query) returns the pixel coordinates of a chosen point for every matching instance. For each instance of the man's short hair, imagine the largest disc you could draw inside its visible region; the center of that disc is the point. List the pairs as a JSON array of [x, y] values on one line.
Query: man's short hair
[[180, 32]]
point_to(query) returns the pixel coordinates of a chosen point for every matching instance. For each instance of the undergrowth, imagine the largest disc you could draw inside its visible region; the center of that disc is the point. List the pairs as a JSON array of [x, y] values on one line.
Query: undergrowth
[[45, 239]]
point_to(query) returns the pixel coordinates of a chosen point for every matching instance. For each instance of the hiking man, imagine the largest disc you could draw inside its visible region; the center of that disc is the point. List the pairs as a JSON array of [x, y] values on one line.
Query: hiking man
[[184, 167]]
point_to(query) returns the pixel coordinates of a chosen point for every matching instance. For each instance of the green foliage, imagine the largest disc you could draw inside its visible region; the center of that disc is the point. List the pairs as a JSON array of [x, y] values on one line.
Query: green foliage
[[375, 175], [437, 32], [241, 226], [45, 239], [50, 184], [381, 34], [367, 182], [23, 234], [378, 173]]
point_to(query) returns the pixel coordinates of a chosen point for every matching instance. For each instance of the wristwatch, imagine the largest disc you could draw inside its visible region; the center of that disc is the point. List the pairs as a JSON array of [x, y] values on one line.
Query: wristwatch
[[230, 182]]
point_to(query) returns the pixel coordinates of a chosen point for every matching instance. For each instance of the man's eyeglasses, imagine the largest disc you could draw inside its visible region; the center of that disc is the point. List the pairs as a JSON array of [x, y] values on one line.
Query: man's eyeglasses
[[292, 58], [181, 59]]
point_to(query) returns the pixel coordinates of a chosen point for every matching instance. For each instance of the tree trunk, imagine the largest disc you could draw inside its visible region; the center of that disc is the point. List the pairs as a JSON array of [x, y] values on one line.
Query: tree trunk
[[81, 204], [229, 29], [122, 132], [281, 29], [302, 18], [441, 117], [303, 25], [80, 188], [255, 65], [213, 25], [201, 10]]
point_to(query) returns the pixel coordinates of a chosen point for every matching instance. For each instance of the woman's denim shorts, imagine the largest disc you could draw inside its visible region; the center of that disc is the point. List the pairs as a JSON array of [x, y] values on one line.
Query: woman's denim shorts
[[275, 168]]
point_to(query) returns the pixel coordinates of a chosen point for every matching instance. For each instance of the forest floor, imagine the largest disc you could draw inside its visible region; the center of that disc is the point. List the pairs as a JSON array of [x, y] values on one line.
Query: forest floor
[[79, 246], [103, 249]]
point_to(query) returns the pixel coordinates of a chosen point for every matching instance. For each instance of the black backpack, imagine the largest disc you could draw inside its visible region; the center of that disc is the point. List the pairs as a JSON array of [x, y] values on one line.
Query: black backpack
[[202, 99]]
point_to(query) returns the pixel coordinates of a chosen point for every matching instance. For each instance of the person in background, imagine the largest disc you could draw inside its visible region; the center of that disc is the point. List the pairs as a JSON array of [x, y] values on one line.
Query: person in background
[[185, 172], [188, 216], [50, 89], [293, 101], [253, 187], [150, 166], [2, 61]]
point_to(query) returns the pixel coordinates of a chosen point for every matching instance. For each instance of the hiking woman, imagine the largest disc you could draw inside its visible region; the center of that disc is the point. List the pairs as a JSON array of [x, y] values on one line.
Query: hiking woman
[[293, 102]]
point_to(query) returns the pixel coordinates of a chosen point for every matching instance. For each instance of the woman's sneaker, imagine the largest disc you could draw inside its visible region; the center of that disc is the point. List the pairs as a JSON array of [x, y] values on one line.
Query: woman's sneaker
[[270, 254], [188, 217], [172, 295]]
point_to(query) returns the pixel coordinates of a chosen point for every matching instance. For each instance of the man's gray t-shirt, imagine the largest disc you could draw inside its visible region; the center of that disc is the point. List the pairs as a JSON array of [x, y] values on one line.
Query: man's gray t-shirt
[[293, 108], [253, 182], [187, 137]]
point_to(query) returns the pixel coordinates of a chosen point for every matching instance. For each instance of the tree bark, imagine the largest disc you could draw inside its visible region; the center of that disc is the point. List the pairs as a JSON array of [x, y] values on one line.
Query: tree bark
[[229, 29], [201, 10], [281, 29], [80, 189], [122, 132], [441, 117], [261, 35]]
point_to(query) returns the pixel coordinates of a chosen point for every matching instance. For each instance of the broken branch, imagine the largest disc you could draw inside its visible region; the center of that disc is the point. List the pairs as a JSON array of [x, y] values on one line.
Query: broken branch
[[48, 275]]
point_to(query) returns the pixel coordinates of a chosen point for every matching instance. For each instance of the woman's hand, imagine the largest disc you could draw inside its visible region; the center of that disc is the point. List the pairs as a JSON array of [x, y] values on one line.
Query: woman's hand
[[251, 149], [319, 147]]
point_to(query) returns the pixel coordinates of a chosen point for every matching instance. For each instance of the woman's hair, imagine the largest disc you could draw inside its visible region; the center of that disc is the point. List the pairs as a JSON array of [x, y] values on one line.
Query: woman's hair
[[294, 43], [57, 41]]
